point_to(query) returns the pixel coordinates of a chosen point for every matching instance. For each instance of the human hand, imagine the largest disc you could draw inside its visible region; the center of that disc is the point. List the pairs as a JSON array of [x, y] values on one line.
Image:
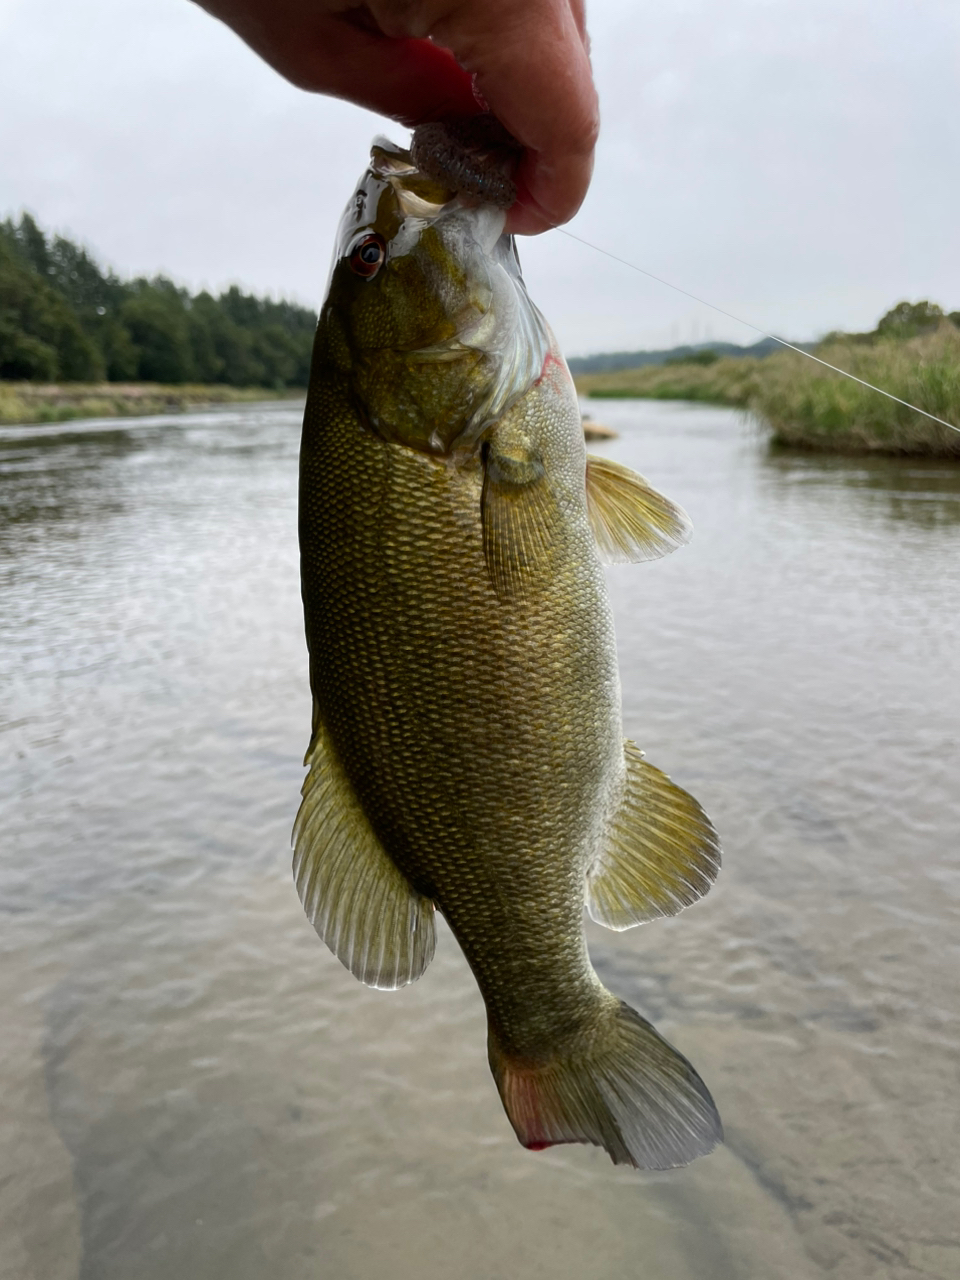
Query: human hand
[[421, 60]]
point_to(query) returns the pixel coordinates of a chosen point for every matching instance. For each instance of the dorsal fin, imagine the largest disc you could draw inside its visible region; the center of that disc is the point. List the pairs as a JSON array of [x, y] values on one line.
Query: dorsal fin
[[631, 520], [661, 851], [356, 898]]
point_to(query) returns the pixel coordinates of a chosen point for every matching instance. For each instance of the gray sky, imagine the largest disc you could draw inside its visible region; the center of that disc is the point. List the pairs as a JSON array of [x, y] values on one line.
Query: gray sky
[[796, 162]]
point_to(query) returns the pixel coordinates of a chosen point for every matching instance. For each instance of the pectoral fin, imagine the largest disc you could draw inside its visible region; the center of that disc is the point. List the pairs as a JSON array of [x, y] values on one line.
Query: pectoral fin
[[518, 514], [359, 902], [630, 520], [661, 853]]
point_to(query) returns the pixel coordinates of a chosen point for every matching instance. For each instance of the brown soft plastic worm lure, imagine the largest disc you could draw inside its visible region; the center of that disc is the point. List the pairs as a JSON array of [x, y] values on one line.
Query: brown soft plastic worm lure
[[474, 155]]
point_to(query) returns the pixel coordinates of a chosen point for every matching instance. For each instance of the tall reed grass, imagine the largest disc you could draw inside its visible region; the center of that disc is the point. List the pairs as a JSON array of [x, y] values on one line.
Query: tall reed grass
[[808, 406]]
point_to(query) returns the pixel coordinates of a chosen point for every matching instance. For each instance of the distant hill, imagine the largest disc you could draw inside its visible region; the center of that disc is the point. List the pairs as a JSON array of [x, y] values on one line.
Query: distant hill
[[610, 361]]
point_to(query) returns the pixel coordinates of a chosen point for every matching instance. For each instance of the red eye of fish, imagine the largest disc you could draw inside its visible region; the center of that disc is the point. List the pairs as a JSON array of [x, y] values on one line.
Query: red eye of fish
[[368, 256]]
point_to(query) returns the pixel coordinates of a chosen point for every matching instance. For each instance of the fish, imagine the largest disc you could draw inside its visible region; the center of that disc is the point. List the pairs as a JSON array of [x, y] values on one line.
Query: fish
[[467, 754]]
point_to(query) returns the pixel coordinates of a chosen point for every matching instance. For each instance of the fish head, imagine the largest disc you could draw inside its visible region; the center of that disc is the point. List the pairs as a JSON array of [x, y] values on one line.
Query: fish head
[[426, 314]]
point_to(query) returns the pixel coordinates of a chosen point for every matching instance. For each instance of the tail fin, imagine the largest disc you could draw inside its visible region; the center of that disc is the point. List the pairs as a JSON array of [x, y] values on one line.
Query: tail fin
[[631, 1093]]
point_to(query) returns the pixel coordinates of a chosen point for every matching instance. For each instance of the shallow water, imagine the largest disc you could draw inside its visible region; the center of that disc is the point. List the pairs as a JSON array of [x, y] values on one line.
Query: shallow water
[[192, 1086]]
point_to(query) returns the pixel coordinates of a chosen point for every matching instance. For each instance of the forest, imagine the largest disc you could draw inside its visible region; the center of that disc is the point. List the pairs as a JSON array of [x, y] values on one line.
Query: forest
[[63, 318]]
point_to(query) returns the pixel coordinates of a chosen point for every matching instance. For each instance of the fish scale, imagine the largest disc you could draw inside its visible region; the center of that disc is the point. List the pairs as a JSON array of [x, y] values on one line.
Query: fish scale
[[467, 752], [416, 709]]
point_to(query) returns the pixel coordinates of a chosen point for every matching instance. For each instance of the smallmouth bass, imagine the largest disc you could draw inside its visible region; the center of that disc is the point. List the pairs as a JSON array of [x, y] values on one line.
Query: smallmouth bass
[[467, 751]]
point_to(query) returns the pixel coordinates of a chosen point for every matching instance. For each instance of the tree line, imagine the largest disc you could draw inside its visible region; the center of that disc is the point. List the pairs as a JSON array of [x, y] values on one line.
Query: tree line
[[64, 319]]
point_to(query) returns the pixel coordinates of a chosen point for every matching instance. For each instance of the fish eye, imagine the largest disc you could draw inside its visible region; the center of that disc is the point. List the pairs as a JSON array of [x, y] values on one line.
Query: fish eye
[[368, 256]]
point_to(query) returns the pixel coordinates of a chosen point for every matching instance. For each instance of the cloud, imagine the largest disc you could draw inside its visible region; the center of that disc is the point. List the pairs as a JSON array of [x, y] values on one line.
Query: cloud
[[795, 161]]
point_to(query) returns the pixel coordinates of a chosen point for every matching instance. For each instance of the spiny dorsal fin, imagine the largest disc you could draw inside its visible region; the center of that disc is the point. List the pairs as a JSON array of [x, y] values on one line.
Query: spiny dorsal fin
[[518, 513], [630, 520], [661, 851], [360, 904]]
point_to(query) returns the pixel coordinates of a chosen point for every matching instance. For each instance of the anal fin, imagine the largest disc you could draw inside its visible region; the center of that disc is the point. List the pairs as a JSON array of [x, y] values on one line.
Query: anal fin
[[661, 852], [630, 520], [357, 899]]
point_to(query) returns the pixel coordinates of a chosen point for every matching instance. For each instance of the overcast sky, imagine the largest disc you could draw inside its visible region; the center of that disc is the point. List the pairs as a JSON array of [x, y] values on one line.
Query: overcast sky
[[796, 162]]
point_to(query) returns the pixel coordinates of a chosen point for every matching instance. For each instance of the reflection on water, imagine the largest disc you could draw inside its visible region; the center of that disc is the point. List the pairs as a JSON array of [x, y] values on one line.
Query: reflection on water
[[194, 1087], [908, 489]]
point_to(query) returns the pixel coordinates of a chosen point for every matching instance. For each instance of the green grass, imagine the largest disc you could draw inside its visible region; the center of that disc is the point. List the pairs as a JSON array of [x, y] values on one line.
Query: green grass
[[808, 406], [723, 382], [28, 402]]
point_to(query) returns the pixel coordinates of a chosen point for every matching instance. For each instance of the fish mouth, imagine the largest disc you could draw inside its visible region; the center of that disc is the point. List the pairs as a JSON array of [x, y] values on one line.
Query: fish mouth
[[500, 322], [423, 200]]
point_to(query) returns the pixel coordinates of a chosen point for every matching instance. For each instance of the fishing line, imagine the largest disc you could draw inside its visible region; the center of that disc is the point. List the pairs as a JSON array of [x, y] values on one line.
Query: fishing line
[[468, 156], [756, 328]]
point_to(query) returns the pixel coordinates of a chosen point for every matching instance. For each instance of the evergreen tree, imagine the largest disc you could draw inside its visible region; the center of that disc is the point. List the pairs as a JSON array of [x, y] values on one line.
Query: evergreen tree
[[62, 316], [41, 337]]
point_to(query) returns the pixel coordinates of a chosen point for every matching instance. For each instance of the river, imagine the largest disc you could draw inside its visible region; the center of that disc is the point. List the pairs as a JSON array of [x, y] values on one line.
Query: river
[[193, 1087]]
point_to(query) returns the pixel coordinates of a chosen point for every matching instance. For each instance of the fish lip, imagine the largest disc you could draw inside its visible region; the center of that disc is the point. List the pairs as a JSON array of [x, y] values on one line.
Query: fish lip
[[395, 165]]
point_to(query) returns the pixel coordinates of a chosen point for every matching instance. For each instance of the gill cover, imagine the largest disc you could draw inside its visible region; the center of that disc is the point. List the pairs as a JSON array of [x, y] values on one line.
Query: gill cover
[[443, 338]]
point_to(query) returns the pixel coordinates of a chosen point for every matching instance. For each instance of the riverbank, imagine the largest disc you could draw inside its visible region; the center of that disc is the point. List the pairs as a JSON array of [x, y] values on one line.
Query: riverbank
[[28, 402], [808, 406]]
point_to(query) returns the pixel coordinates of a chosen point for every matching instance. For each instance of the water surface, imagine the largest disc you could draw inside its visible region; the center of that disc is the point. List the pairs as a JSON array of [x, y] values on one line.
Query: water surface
[[193, 1086]]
